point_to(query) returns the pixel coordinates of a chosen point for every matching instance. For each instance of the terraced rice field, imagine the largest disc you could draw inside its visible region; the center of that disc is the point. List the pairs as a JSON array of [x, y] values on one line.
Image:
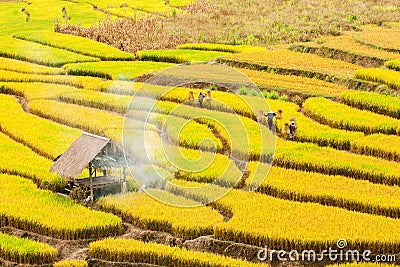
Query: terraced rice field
[[337, 179]]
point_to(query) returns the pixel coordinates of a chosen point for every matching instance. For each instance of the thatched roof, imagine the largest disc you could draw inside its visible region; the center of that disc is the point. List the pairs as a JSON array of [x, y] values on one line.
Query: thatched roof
[[79, 154]]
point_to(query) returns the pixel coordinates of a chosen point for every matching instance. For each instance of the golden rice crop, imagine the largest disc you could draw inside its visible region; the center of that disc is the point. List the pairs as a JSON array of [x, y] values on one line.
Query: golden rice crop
[[287, 59], [347, 43], [190, 136], [258, 143], [128, 250], [378, 145], [389, 77], [207, 167], [347, 49], [180, 131], [190, 164], [25, 251], [301, 156], [222, 47], [339, 191], [311, 131], [281, 224], [385, 38], [344, 117], [300, 84], [26, 67], [17, 159], [88, 119], [75, 81], [146, 212], [378, 103], [34, 90], [28, 208], [53, 139]]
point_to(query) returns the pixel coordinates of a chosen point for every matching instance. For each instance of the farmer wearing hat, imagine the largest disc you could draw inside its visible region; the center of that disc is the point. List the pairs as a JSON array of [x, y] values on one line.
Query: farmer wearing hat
[[270, 119], [292, 128]]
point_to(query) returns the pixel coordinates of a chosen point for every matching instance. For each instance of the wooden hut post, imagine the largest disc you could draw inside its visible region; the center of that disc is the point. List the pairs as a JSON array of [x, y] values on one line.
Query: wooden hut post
[[91, 182]]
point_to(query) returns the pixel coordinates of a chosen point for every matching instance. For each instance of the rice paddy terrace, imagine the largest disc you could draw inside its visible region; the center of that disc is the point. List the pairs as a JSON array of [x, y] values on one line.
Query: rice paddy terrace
[[337, 179]]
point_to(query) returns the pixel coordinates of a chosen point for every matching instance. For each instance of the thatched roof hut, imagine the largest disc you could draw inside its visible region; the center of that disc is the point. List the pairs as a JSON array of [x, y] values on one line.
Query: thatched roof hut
[[94, 152], [78, 156]]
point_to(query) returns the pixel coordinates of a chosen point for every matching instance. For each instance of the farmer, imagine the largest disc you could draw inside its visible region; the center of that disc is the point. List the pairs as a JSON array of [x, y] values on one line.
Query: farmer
[[270, 119], [201, 98], [190, 96], [292, 128]]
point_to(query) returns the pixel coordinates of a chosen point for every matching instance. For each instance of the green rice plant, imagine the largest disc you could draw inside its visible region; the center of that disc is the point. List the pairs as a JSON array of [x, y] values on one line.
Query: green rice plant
[[221, 48], [26, 67], [75, 44], [71, 263], [389, 77], [24, 206], [128, 250], [377, 103], [344, 117], [25, 251], [178, 55], [37, 53], [182, 222], [116, 70], [339, 191], [44, 14], [53, 139]]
